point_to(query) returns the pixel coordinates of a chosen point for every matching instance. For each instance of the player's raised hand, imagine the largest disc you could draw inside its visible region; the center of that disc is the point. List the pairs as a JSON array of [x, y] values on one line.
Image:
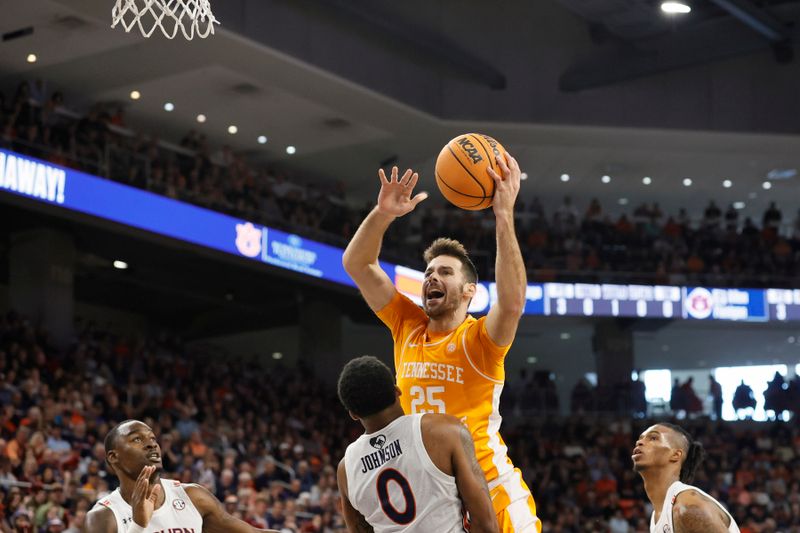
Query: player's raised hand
[[145, 497], [394, 198], [506, 187]]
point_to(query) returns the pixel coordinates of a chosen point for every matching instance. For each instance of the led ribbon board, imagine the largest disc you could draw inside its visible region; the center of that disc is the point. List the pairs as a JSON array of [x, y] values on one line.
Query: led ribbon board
[[81, 192]]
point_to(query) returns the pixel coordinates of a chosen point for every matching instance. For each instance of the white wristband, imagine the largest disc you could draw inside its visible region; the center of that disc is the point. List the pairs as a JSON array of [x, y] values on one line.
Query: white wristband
[[135, 528]]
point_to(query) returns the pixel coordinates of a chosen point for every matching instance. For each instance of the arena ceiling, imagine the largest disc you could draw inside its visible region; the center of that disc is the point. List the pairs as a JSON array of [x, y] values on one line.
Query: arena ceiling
[[584, 88]]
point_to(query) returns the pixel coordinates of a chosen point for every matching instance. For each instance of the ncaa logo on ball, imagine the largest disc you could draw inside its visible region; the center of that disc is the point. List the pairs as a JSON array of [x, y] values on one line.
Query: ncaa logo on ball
[[465, 144], [699, 303], [178, 504]]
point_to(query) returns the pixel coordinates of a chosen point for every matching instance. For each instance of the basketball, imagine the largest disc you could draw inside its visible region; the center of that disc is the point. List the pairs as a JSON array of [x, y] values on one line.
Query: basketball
[[461, 170]]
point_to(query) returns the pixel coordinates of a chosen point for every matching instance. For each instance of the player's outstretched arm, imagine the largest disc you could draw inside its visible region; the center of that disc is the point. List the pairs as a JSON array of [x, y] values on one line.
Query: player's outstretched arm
[[355, 521], [471, 483], [694, 513], [503, 317], [360, 258], [215, 518]]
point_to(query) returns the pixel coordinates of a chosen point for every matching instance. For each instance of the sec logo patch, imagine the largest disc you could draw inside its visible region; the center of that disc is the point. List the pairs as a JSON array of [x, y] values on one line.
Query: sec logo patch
[[178, 504]]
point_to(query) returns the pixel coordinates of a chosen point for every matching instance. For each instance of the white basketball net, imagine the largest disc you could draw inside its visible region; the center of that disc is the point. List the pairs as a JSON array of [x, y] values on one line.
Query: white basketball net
[[190, 17]]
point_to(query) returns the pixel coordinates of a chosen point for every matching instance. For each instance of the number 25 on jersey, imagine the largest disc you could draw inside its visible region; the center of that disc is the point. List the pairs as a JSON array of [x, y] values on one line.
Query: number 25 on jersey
[[427, 399]]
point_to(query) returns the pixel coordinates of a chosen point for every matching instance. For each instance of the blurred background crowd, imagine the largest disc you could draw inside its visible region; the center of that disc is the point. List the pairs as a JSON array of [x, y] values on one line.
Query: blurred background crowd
[[265, 439]]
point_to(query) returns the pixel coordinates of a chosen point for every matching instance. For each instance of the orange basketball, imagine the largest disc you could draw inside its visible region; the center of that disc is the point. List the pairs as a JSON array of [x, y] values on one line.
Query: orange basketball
[[461, 170]]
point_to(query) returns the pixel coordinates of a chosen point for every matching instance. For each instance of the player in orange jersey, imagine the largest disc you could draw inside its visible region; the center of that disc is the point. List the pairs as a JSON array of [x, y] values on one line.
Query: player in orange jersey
[[445, 360]]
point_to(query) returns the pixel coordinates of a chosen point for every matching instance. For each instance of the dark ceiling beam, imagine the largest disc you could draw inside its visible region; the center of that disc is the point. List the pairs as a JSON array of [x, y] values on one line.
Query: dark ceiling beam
[[757, 19], [418, 41], [713, 40]]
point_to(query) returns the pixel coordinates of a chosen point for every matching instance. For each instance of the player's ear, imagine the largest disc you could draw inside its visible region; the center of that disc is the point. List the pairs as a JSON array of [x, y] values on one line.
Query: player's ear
[[470, 289], [397, 391], [111, 459], [354, 417], [676, 456]]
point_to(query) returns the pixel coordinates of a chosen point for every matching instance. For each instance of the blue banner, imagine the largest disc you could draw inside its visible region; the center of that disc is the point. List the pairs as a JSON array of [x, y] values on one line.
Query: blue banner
[[77, 191]]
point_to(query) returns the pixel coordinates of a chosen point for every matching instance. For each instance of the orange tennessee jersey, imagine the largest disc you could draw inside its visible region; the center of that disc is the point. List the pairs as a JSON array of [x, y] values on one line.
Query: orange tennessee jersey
[[460, 373]]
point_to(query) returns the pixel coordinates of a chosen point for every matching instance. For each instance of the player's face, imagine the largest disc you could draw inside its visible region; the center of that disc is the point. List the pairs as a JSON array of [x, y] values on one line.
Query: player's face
[[444, 288], [137, 447], [654, 448]]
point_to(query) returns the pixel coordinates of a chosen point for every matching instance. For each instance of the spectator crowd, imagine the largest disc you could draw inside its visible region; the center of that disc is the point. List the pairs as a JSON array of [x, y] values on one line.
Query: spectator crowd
[[266, 443], [646, 245], [266, 440]]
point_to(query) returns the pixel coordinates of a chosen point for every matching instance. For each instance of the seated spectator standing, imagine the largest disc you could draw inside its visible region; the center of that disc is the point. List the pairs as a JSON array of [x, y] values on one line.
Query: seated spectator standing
[[744, 400]]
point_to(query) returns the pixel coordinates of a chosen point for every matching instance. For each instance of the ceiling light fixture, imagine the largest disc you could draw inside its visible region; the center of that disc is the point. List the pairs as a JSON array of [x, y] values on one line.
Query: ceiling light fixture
[[565, 177], [291, 150], [623, 201], [262, 139], [233, 130], [766, 185], [675, 8], [687, 182], [201, 118], [727, 184], [169, 106], [606, 179], [523, 176], [647, 180], [32, 58], [135, 95], [121, 265], [738, 205]]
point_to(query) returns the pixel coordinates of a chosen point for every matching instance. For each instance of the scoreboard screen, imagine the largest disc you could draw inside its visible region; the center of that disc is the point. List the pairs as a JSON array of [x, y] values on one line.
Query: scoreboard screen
[[783, 304], [584, 299]]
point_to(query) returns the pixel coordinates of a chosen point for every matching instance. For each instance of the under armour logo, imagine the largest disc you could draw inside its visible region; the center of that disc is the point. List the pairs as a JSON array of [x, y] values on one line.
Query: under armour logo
[[377, 442]]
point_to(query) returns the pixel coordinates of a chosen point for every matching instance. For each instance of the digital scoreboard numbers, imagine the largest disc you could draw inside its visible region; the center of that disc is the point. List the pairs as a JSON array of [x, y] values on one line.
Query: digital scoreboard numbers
[[783, 304], [590, 299]]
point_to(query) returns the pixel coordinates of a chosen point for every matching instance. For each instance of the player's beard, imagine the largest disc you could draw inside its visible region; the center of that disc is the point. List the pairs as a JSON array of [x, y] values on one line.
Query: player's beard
[[449, 305]]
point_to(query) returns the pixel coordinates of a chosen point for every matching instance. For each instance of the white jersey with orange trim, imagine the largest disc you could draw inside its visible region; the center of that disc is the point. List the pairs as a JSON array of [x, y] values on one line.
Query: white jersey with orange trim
[[460, 373], [393, 483], [665, 525], [177, 513]]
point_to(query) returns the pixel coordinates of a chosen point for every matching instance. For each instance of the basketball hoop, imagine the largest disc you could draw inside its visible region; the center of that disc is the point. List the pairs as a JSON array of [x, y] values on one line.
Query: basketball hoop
[[190, 17]]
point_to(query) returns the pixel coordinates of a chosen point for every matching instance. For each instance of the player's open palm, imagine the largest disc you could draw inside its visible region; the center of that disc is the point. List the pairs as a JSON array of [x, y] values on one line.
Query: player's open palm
[[145, 497], [395, 196]]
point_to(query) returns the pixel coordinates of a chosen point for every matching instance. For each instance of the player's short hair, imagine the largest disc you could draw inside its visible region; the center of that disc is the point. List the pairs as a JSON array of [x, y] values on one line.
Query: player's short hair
[[453, 248], [693, 456], [366, 386], [110, 442]]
